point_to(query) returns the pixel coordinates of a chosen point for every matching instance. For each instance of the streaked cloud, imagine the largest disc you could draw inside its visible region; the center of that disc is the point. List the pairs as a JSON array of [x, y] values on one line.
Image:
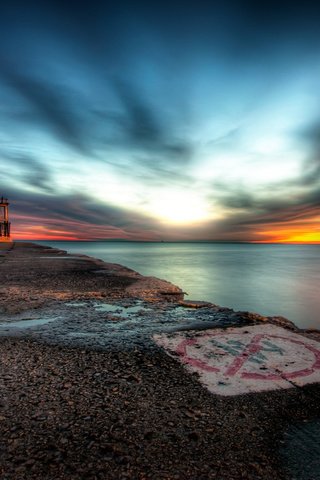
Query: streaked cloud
[[126, 121]]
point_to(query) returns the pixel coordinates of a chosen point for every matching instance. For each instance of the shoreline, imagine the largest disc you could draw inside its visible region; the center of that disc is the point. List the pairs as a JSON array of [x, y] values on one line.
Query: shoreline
[[103, 410], [239, 277], [49, 281], [68, 274]]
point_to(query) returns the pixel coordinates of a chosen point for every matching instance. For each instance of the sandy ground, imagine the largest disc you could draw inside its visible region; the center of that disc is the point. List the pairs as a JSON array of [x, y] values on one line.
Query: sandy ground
[[94, 412]]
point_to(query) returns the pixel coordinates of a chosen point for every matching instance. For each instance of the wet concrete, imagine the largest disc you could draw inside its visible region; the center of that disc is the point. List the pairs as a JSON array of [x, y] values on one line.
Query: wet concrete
[[125, 324], [26, 323]]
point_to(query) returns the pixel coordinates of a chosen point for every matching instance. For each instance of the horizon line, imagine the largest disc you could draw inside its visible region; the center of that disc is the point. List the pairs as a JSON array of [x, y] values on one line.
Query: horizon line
[[121, 240]]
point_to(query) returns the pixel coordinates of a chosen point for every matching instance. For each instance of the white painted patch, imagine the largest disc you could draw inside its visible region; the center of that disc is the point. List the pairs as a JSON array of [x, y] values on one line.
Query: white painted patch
[[256, 358]]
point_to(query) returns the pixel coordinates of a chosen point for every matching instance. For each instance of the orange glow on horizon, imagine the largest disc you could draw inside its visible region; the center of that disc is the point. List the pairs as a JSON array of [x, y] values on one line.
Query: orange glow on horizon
[[298, 231], [302, 231], [25, 235], [78, 232], [275, 237]]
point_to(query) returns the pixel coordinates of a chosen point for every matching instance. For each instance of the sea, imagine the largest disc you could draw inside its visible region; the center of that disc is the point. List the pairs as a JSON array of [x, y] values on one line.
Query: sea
[[270, 279]]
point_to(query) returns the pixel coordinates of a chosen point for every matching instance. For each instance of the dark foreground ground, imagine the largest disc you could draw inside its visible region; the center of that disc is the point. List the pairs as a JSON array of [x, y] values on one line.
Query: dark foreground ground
[[79, 413]]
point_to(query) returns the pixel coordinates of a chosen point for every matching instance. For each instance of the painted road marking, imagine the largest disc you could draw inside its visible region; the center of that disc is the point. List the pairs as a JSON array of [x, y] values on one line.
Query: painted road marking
[[256, 358]]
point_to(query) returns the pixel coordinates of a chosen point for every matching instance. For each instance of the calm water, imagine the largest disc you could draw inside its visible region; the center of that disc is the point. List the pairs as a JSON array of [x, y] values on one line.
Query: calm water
[[268, 279]]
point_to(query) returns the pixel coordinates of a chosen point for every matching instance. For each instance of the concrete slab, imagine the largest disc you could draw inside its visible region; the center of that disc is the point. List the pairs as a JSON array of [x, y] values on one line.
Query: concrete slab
[[257, 358]]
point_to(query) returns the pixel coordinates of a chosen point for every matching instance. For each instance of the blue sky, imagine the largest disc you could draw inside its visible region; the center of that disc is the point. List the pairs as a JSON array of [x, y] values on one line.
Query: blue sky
[[160, 121]]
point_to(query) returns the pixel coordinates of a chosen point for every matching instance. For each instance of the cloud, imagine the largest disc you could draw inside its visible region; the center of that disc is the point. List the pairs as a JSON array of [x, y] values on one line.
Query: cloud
[[75, 215], [30, 170], [142, 132], [113, 84], [286, 202], [149, 129], [310, 174], [52, 107]]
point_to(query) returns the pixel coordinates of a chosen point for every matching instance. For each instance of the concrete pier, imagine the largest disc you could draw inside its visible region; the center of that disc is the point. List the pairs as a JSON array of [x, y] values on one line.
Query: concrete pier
[[106, 374]]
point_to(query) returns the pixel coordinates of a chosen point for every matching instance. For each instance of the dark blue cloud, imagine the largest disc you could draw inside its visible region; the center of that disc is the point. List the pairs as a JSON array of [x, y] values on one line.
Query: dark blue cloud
[[51, 108]]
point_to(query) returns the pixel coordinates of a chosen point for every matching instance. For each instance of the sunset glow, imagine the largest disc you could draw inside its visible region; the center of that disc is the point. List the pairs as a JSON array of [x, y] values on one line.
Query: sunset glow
[[133, 124], [179, 208]]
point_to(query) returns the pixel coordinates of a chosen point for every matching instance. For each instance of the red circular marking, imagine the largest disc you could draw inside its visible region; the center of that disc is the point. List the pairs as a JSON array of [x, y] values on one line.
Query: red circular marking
[[299, 373], [181, 350]]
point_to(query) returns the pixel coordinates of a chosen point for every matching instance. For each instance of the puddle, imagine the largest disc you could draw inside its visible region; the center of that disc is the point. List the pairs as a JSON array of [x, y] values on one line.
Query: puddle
[[35, 322], [92, 322], [182, 311], [76, 304], [124, 312]]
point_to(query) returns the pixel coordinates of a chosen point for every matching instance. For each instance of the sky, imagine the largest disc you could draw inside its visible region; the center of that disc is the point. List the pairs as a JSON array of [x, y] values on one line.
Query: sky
[[161, 121]]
